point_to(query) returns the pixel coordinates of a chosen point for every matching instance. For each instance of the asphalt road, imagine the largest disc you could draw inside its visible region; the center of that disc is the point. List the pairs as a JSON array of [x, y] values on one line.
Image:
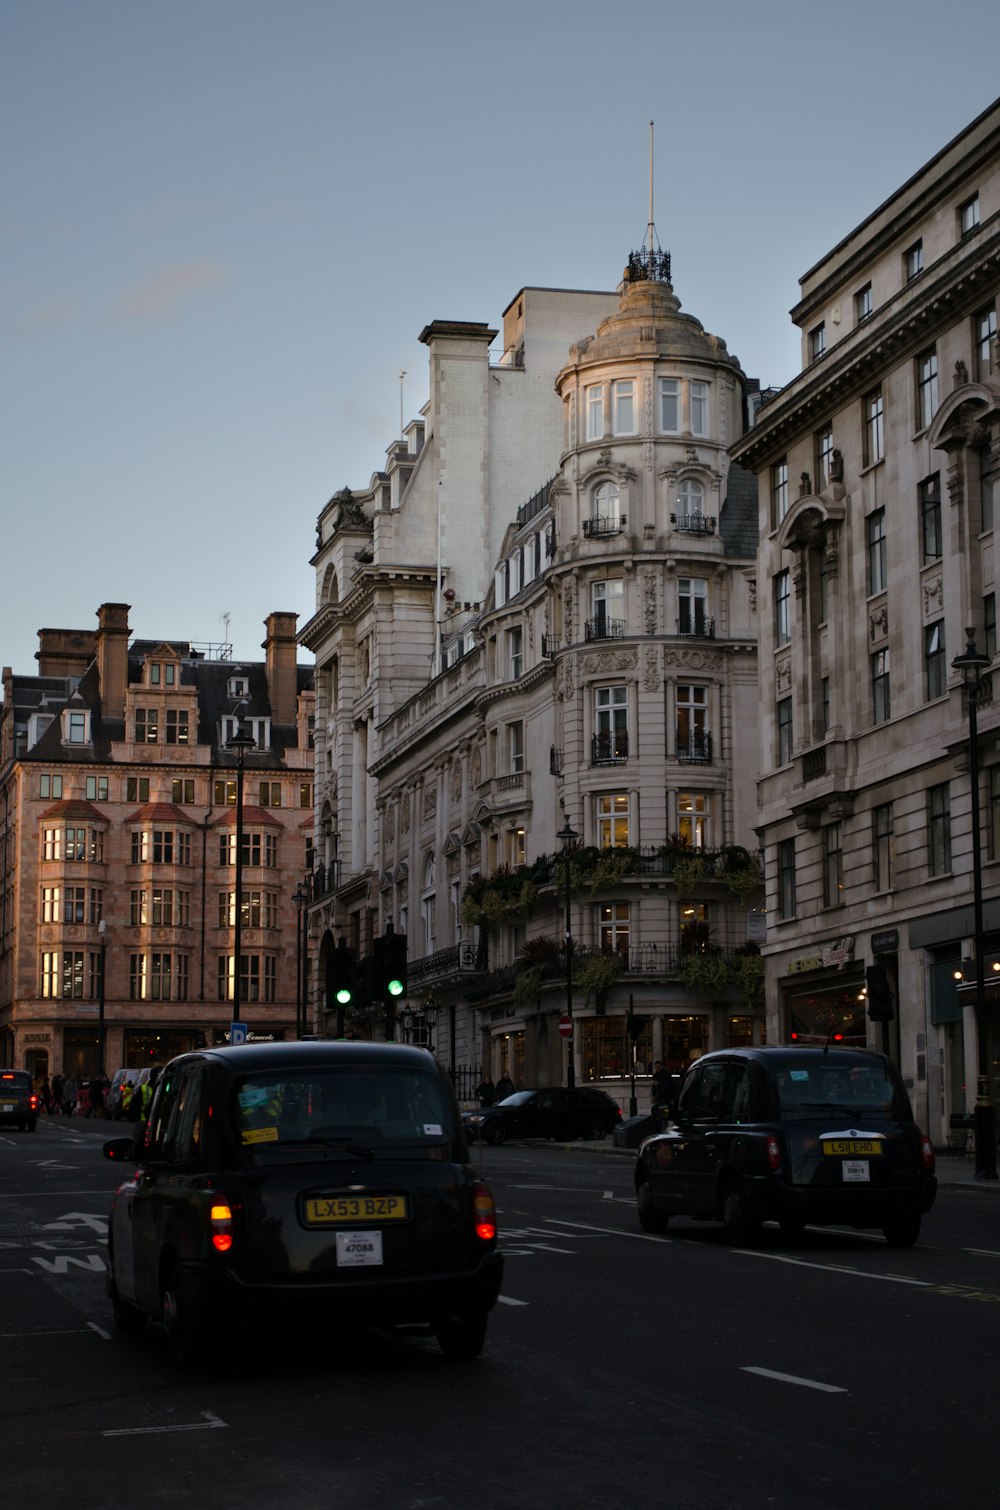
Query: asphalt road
[[621, 1369]]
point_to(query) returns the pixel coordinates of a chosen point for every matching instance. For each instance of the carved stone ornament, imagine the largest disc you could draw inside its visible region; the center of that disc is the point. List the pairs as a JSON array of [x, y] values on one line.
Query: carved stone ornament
[[961, 376], [805, 484], [404, 817], [783, 676], [477, 766], [752, 593], [878, 623], [390, 824], [836, 466], [609, 660], [933, 595], [649, 602], [651, 671], [430, 801], [456, 782], [693, 660]]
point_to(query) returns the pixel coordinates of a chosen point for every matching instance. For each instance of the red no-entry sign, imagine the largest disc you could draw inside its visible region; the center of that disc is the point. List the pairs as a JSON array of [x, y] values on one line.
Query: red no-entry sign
[[566, 1026]]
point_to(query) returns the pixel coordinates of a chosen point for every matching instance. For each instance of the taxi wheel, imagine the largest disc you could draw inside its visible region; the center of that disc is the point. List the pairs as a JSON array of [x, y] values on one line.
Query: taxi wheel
[[741, 1224], [461, 1338], [495, 1132], [650, 1220], [189, 1341], [595, 1132], [902, 1231]]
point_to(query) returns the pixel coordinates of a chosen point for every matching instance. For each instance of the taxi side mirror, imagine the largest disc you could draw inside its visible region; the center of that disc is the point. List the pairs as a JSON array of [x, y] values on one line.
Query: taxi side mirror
[[119, 1150]]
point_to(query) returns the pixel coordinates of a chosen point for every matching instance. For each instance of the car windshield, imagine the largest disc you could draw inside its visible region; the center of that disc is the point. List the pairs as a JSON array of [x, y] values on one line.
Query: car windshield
[[864, 1087], [365, 1110]]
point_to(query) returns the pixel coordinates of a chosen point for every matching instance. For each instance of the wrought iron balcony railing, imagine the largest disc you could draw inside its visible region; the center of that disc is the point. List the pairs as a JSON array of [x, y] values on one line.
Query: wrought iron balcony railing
[[698, 628], [609, 749], [697, 750], [599, 527], [603, 628], [693, 524]]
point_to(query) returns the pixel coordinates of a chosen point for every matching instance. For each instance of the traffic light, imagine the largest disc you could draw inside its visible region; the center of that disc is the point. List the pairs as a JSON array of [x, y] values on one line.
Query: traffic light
[[341, 979], [394, 964], [880, 1008]]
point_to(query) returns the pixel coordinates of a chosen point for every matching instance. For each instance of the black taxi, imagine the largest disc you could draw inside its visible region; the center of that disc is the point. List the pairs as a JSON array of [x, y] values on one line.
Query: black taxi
[[302, 1183], [795, 1135]]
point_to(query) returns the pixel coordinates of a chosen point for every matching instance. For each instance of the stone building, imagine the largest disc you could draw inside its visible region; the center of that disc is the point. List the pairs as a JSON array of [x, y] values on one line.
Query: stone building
[[118, 822], [541, 615], [877, 468]]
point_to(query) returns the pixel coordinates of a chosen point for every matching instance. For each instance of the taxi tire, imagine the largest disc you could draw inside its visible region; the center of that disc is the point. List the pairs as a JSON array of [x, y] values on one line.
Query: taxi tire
[[739, 1219], [650, 1220], [461, 1338], [188, 1336], [901, 1231]]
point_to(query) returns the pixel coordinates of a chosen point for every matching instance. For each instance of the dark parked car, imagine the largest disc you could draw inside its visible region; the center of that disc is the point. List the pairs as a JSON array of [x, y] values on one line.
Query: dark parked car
[[302, 1183], [18, 1102], [583, 1112], [792, 1135]]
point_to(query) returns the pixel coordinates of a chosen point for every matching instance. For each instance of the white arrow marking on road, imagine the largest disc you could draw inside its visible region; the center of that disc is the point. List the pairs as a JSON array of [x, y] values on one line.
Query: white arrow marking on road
[[209, 1422], [770, 1373], [92, 1262], [98, 1224]]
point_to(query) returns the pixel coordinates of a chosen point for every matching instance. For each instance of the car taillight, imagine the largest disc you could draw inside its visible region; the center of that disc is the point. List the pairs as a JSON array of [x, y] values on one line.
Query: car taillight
[[773, 1152], [33, 1102], [484, 1214], [927, 1153], [221, 1219]]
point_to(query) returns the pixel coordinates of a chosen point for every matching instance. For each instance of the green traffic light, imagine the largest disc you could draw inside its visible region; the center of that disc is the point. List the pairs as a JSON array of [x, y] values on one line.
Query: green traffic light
[[395, 987], [343, 996]]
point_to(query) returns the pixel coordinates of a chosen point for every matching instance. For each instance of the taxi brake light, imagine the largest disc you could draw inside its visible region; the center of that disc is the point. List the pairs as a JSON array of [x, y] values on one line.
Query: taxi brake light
[[773, 1152], [484, 1214], [927, 1153], [221, 1217]]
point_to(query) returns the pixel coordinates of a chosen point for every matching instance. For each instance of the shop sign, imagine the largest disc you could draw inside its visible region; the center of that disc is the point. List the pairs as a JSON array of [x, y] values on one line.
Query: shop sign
[[836, 954], [885, 942], [35, 1038]]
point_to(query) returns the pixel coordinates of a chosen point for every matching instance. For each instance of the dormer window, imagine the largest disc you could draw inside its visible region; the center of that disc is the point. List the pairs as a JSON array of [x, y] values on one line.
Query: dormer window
[[238, 686], [161, 673], [76, 726], [37, 725], [259, 730]]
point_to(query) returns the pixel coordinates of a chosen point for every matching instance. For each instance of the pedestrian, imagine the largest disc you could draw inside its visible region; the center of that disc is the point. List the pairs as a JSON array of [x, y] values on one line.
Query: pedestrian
[[71, 1090], [505, 1087], [660, 1088], [486, 1091], [45, 1095], [96, 1107]]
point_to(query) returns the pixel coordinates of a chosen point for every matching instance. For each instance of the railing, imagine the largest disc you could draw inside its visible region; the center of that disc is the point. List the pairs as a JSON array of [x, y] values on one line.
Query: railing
[[555, 761], [693, 524], [649, 265], [650, 959], [324, 879], [534, 506], [814, 763], [609, 749], [603, 628], [549, 646], [697, 750], [600, 527], [459, 959], [699, 629]]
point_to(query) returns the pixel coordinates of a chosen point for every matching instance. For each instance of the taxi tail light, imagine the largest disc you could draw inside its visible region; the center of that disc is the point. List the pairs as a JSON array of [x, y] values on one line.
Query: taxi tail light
[[221, 1221], [484, 1213], [773, 1153], [33, 1102], [927, 1153]]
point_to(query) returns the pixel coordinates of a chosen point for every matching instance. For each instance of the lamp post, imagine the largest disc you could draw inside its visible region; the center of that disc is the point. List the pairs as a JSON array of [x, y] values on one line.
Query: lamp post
[[567, 837], [300, 899], [971, 664], [102, 929], [240, 743]]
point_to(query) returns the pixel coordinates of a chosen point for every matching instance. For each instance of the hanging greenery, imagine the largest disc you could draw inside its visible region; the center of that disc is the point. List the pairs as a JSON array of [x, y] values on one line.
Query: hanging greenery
[[687, 873], [508, 896], [743, 880], [596, 973], [706, 973], [528, 984], [748, 970]]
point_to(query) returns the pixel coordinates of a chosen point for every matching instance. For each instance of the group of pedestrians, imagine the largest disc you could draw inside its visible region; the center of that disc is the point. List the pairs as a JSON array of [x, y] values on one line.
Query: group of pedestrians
[[488, 1094], [69, 1096]]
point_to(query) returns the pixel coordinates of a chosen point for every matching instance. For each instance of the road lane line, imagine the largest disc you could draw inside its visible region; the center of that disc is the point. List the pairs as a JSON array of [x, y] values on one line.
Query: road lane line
[[100, 1331], [209, 1423], [800, 1263], [508, 1300], [770, 1373], [642, 1237], [983, 1252]]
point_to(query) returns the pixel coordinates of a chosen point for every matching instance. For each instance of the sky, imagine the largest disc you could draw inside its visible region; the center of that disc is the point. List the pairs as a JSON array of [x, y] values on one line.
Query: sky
[[225, 223]]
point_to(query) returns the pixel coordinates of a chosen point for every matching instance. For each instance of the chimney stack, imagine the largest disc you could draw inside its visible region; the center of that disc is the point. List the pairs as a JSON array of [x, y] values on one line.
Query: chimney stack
[[112, 657], [281, 652]]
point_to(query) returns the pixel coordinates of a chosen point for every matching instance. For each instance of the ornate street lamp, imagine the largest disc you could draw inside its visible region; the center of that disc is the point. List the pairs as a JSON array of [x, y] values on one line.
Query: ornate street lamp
[[300, 898], [972, 663], [240, 743], [567, 837]]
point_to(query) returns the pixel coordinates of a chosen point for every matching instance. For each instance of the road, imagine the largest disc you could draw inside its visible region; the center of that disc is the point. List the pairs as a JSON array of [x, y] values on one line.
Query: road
[[621, 1369]]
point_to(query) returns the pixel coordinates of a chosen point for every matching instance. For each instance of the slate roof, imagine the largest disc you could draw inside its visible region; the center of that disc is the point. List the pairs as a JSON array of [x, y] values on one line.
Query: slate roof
[[738, 520]]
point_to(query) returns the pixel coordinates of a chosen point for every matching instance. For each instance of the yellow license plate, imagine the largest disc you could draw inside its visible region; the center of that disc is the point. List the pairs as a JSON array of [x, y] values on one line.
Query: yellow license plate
[[853, 1146], [322, 1211]]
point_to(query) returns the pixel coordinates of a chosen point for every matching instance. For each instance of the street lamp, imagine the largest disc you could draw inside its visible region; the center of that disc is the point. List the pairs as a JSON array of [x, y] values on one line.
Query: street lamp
[[567, 837], [972, 664], [102, 929], [300, 899], [239, 745]]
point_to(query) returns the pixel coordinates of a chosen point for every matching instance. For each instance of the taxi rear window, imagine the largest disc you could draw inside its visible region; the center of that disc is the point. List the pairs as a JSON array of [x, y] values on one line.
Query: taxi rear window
[[14, 1080], [866, 1086], [335, 1108]]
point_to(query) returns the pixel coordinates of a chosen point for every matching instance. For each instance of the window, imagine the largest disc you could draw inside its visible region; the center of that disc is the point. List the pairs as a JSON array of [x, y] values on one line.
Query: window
[[863, 304], [699, 408], [881, 706], [515, 747], [137, 977], [690, 498], [968, 215], [75, 842], [515, 653], [50, 786], [270, 794], [817, 342], [224, 793], [250, 978], [182, 790], [779, 491], [783, 724], [990, 623], [913, 261], [833, 866], [670, 406], [993, 834], [883, 846], [611, 723], [613, 928], [692, 818], [159, 977], [97, 789], [786, 878], [607, 501], [76, 728], [935, 666], [873, 449], [612, 821], [177, 726], [985, 336], [927, 388], [782, 607], [594, 402], [51, 904], [692, 601], [693, 739], [930, 517], [939, 829], [877, 566], [50, 974], [75, 907], [52, 843], [608, 603], [137, 789], [985, 489], [623, 406], [146, 725], [824, 456], [162, 673]]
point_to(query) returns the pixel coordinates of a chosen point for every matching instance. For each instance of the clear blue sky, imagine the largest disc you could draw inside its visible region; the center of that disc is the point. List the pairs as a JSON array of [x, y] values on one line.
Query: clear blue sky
[[225, 223]]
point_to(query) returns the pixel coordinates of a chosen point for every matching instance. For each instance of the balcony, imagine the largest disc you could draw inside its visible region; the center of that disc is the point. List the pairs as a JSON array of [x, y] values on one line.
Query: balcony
[[814, 763], [506, 794], [693, 524], [549, 646], [603, 628], [698, 628], [555, 762], [460, 959], [609, 749], [697, 750], [601, 528]]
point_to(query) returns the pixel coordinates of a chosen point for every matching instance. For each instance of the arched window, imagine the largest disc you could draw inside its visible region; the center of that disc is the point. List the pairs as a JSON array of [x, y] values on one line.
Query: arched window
[[608, 500], [328, 592], [691, 497]]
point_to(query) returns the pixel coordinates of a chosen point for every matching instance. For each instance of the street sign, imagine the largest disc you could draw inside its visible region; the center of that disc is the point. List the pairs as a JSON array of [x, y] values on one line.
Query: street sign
[[566, 1026], [237, 1032]]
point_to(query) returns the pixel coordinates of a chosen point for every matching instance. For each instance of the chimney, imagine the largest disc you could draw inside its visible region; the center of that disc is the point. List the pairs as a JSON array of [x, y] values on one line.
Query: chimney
[[65, 652], [281, 653], [112, 657]]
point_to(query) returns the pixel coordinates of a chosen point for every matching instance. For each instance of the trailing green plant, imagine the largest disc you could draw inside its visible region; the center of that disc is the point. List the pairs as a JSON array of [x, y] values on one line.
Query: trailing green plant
[[507, 896], [596, 973], [706, 972], [742, 878], [545, 947], [748, 971], [687, 873], [528, 984]]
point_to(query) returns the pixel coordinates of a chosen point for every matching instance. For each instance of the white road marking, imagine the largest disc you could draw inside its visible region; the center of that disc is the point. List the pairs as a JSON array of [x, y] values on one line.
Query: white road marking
[[608, 1195], [92, 1262], [983, 1252], [65, 1331], [209, 1422], [508, 1300], [100, 1331], [800, 1263], [770, 1373], [642, 1237], [17, 1271], [98, 1224]]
